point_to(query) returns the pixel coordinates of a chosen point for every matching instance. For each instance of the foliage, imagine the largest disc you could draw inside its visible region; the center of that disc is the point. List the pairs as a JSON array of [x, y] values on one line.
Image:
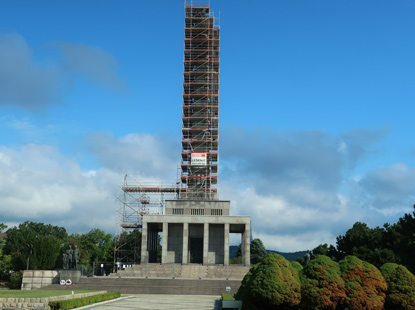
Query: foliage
[[95, 245], [365, 285], [2, 235], [300, 260], [46, 240], [246, 281], [227, 296], [80, 302], [5, 260], [389, 244], [130, 241], [401, 240], [16, 280], [5, 266], [257, 250], [401, 287], [297, 266], [366, 243], [272, 283], [322, 285]]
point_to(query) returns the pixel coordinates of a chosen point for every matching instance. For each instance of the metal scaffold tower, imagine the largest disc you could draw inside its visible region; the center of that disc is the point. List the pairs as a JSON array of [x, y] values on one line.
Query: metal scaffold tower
[[200, 129], [135, 199]]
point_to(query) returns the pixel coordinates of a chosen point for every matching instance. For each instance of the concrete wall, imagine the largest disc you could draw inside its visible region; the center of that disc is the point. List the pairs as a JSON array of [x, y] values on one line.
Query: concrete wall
[[175, 243], [212, 232], [216, 244], [35, 279], [206, 205]]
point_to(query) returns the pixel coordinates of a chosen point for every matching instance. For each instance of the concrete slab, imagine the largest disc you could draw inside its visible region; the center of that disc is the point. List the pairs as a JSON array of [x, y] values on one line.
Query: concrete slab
[[161, 302]]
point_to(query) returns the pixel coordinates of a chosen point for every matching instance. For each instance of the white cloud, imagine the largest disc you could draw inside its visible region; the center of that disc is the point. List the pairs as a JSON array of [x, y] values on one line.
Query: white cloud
[[37, 183], [294, 205]]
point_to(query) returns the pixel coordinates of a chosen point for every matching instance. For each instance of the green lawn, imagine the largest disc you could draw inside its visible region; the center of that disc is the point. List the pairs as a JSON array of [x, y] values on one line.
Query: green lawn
[[36, 294]]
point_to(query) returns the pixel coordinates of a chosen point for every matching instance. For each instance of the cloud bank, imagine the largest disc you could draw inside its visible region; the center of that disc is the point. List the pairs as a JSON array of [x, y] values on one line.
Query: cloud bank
[[299, 188]]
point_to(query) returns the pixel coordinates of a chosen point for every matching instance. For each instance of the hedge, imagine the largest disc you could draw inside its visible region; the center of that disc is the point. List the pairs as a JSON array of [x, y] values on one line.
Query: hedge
[[227, 296], [84, 301]]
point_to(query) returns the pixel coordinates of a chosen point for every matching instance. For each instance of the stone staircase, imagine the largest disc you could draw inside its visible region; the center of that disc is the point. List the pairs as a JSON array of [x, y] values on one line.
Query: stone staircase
[[152, 286], [178, 271]]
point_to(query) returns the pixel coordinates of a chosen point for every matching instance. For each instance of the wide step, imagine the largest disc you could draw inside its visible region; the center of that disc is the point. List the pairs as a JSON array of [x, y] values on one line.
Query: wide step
[[152, 286]]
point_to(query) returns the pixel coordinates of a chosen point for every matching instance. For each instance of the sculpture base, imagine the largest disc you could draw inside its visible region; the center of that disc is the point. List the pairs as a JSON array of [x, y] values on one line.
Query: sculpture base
[[73, 275]]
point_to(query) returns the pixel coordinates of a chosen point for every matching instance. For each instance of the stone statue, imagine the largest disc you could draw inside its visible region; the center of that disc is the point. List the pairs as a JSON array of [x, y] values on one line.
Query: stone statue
[[307, 257], [77, 255], [69, 253], [65, 261]]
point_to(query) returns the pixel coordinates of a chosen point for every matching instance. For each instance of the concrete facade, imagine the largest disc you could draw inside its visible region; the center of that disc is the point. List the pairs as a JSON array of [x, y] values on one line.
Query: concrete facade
[[194, 239]]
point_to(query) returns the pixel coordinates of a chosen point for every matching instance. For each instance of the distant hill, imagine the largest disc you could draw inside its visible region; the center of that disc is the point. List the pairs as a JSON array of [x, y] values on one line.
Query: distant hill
[[288, 256]]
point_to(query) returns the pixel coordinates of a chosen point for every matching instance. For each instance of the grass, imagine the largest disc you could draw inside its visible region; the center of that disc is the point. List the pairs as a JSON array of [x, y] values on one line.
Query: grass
[[36, 293]]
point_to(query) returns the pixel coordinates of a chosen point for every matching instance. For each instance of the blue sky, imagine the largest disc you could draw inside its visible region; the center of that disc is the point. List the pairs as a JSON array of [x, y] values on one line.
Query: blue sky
[[316, 108]]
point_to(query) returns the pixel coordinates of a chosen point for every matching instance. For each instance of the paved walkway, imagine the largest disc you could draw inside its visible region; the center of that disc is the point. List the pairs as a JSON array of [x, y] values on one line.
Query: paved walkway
[[161, 302]]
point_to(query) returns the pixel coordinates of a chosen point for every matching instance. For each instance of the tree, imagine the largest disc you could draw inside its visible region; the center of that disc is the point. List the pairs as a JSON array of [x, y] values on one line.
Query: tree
[[365, 285], [365, 243], [401, 287], [45, 241], [2, 235], [97, 245], [270, 284], [128, 246], [258, 251], [5, 260], [401, 240], [322, 285]]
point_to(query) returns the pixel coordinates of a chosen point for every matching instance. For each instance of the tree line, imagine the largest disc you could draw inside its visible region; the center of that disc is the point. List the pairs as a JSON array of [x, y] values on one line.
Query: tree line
[[39, 246], [392, 243]]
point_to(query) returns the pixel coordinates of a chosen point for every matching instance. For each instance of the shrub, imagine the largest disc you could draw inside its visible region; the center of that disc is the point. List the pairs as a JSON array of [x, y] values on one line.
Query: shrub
[[16, 280], [80, 302], [322, 285], [401, 287], [365, 285], [227, 296], [270, 284]]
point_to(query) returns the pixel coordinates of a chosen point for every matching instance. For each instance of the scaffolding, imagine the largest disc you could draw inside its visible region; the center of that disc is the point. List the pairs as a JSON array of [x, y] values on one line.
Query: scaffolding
[[136, 199], [200, 129]]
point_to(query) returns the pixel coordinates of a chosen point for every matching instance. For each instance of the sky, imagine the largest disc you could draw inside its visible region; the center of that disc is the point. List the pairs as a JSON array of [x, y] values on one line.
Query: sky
[[316, 111]]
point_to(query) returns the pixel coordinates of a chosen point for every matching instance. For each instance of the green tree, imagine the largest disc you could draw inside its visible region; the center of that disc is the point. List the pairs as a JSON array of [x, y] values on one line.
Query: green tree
[[365, 285], [96, 245], [322, 285], [365, 243], [5, 260], [2, 235], [258, 251], [270, 284], [401, 240], [401, 287], [46, 241], [128, 246]]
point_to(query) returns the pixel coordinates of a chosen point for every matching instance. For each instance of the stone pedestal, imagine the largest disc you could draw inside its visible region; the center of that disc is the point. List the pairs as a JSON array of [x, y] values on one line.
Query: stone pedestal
[[73, 275]]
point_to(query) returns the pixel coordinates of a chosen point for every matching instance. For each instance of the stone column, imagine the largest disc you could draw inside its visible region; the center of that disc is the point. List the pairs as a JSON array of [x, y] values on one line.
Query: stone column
[[185, 254], [226, 244], [144, 254], [205, 243], [164, 244], [247, 245]]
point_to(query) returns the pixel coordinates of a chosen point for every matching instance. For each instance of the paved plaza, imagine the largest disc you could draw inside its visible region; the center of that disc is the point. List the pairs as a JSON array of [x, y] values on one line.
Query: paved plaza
[[161, 302]]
